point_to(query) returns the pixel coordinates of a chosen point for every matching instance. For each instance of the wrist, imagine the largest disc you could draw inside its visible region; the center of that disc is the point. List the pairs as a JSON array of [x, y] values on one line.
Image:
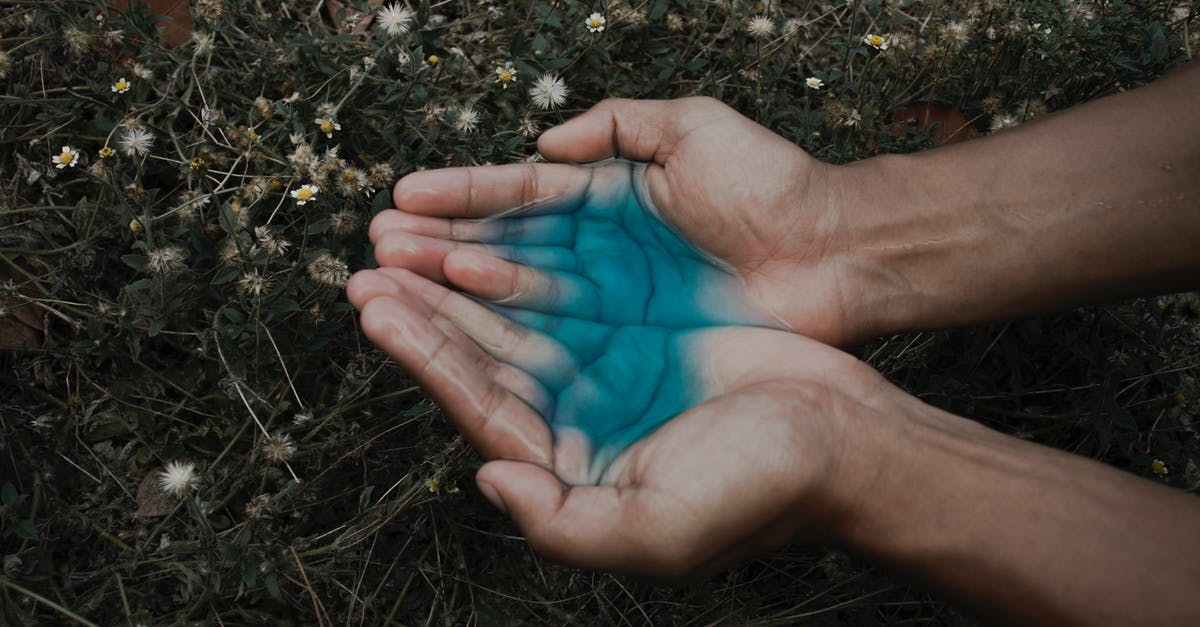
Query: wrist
[[921, 249]]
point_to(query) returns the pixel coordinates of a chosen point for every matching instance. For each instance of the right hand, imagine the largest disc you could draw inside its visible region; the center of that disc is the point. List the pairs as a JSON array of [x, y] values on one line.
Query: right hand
[[728, 186]]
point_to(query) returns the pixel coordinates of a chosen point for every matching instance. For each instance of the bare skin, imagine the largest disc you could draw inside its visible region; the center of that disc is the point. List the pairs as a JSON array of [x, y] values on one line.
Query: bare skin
[[1098, 202]]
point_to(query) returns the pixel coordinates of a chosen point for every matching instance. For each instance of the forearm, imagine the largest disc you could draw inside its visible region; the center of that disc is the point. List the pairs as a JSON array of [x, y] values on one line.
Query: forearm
[[1098, 202], [1025, 534]]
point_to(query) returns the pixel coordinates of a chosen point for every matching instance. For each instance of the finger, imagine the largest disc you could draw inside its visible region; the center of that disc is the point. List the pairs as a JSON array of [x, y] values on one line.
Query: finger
[[426, 256], [487, 191], [520, 286], [643, 130], [548, 230], [370, 284], [540, 355], [587, 339], [494, 420]]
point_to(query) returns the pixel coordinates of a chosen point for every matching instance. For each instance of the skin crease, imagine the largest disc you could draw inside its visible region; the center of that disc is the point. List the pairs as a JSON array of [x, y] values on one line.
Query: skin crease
[[813, 445]]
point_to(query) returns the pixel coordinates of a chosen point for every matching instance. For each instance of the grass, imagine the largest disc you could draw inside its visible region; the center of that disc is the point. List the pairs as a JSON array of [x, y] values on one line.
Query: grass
[[152, 312]]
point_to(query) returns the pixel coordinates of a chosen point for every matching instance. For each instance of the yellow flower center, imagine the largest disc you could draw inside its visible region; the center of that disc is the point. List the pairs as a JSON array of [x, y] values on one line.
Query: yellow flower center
[[327, 126], [197, 163], [66, 158], [107, 152], [304, 194], [433, 59], [594, 22], [122, 85], [506, 76], [252, 135], [875, 40]]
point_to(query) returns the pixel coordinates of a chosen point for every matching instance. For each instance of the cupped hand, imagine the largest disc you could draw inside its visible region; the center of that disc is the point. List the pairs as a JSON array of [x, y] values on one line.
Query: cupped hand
[[756, 456], [728, 223]]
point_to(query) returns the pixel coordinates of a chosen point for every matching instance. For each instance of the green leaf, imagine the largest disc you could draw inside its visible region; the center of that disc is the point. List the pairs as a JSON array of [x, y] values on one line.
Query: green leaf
[[137, 262], [25, 530], [228, 219]]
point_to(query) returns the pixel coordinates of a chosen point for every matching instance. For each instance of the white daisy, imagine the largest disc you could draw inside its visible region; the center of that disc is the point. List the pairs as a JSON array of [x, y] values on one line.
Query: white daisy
[[305, 193], [121, 86], [548, 91], [66, 158], [595, 23], [506, 74], [814, 83], [878, 42]]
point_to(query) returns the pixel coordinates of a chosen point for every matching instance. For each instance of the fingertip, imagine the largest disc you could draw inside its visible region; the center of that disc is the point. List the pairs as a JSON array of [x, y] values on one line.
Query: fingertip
[[528, 493], [384, 222], [427, 190], [378, 318], [366, 285]]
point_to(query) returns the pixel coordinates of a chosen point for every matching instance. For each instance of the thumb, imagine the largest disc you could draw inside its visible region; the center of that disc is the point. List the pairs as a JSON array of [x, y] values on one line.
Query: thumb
[[642, 130], [594, 527]]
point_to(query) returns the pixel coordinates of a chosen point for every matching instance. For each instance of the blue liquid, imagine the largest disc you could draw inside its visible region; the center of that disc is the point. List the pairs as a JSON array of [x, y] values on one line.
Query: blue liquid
[[630, 297]]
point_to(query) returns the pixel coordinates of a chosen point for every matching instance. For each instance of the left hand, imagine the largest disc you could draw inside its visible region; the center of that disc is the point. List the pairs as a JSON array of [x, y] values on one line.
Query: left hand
[[760, 459]]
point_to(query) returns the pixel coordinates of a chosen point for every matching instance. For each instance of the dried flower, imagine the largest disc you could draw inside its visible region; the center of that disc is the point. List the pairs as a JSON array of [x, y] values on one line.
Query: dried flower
[[203, 42], [343, 222], [466, 120], [394, 19], [165, 260], [328, 126], [329, 270], [178, 478], [254, 284], [278, 448], [270, 241], [135, 142], [548, 91], [1001, 121], [381, 175], [352, 182], [760, 27]]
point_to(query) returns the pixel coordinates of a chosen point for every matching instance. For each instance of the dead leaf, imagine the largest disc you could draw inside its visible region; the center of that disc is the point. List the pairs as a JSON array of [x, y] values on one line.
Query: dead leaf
[[23, 325], [948, 124], [362, 20], [151, 499], [176, 27]]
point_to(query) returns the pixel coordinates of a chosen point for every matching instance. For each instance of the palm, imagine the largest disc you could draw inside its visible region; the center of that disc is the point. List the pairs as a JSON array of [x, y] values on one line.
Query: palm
[[579, 397], [680, 243]]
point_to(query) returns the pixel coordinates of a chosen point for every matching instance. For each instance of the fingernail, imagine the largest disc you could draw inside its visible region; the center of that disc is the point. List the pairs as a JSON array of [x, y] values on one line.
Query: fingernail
[[492, 495]]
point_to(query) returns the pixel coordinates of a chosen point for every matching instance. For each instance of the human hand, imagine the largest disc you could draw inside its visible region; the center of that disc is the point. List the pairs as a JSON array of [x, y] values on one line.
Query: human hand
[[756, 458], [764, 214]]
